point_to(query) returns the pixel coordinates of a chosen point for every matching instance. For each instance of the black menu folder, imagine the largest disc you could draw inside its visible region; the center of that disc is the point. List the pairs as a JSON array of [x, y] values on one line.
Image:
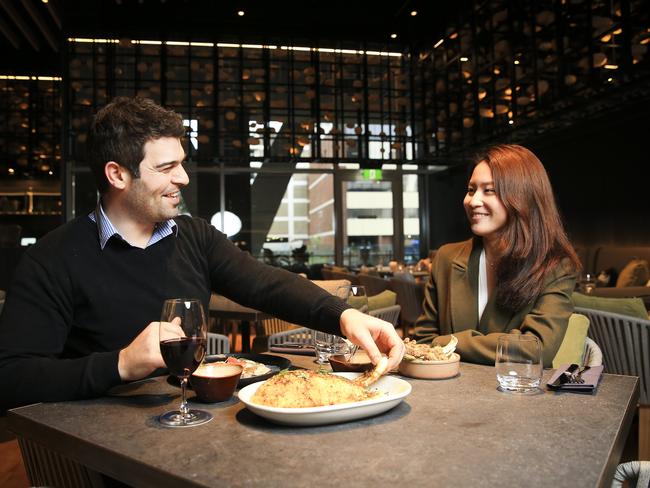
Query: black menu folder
[[591, 377]]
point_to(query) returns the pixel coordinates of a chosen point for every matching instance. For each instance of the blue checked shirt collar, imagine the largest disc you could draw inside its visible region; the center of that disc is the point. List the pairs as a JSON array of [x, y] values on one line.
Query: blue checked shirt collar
[[106, 229]]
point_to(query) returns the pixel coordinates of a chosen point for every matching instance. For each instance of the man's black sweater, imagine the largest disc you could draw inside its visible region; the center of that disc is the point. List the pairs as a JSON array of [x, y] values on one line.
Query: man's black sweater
[[73, 306]]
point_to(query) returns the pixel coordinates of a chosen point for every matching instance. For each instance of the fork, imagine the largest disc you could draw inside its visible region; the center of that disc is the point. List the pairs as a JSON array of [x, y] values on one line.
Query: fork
[[577, 376]]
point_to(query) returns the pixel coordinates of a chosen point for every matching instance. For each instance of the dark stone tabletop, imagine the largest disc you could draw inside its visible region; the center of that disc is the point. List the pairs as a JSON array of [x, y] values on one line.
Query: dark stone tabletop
[[456, 432]]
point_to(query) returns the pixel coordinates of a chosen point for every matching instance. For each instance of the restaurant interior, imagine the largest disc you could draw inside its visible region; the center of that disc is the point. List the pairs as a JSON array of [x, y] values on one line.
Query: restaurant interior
[[334, 139]]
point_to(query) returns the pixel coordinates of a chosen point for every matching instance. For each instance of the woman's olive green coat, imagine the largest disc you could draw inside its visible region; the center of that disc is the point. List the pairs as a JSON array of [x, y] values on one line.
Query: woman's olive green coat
[[451, 306]]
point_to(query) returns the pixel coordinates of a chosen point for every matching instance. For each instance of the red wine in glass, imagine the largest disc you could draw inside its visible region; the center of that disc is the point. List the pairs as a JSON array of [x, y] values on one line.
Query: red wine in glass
[[183, 355], [183, 336]]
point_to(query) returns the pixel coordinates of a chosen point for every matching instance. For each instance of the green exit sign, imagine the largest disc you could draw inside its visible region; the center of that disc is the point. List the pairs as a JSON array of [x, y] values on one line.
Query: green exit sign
[[371, 174]]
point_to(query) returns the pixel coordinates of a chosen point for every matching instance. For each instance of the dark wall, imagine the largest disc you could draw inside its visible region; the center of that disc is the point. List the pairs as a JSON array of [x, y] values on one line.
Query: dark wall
[[600, 172], [447, 222]]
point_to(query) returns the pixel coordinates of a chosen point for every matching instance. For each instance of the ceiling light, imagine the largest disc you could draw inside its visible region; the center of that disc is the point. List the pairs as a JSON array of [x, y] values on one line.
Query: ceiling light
[[44, 1], [516, 61], [611, 66], [414, 13], [511, 121], [610, 80], [226, 222], [464, 59], [438, 43], [241, 13], [393, 36]]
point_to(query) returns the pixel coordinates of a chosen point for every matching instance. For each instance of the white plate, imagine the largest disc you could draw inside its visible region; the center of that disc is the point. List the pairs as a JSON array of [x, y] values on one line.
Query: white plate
[[393, 390]]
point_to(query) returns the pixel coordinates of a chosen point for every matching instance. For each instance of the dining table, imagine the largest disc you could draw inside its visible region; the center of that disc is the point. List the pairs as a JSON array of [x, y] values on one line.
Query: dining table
[[460, 431]]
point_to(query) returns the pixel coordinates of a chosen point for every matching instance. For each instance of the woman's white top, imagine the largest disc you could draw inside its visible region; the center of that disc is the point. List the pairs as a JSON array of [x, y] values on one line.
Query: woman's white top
[[482, 284]]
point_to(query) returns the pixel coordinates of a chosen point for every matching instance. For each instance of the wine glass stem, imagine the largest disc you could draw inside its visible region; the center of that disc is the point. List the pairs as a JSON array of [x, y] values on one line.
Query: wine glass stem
[[184, 409]]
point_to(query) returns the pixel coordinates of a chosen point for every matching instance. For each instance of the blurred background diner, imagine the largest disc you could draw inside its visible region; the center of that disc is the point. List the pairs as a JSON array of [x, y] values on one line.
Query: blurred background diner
[[334, 139]]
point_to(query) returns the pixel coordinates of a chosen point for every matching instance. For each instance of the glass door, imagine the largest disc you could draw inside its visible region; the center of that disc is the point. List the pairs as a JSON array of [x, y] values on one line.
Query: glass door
[[369, 218]]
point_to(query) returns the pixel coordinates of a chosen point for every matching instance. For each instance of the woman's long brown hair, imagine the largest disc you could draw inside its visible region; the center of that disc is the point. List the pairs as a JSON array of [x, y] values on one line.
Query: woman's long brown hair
[[533, 240]]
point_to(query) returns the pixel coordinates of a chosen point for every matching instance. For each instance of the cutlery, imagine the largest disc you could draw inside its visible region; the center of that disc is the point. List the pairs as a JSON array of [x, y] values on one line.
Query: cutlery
[[566, 376], [578, 376], [295, 345]]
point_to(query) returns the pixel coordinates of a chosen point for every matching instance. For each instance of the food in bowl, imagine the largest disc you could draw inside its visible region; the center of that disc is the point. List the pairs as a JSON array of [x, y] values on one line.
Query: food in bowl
[[429, 352], [430, 361], [215, 382]]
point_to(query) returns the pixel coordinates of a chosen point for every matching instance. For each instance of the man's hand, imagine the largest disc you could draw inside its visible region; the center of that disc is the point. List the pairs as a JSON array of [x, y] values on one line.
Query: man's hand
[[374, 335], [142, 357]]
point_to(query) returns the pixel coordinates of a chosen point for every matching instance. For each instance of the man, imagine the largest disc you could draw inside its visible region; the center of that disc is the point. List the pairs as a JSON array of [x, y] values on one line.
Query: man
[[75, 319]]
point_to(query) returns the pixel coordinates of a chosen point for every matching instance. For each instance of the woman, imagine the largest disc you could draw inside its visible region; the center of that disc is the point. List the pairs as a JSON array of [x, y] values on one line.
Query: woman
[[516, 274]]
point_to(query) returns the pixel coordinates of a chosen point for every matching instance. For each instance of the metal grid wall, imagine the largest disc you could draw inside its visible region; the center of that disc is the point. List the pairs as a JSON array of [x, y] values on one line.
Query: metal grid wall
[[511, 70], [255, 103]]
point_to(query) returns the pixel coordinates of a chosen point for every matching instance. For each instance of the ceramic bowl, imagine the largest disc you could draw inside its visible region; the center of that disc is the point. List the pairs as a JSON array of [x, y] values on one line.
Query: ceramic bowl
[[215, 382], [431, 370]]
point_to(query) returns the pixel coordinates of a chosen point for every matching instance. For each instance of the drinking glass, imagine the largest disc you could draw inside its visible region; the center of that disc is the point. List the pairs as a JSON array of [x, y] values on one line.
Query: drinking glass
[[183, 338], [587, 283], [519, 363], [354, 295], [327, 345]]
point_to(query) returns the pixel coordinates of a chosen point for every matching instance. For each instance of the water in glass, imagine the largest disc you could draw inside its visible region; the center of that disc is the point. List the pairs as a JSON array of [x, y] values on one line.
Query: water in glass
[[518, 376], [519, 363], [327, 345]]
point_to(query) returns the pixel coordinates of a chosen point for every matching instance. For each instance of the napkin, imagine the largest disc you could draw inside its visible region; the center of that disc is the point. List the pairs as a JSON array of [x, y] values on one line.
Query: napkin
[[591, 378]]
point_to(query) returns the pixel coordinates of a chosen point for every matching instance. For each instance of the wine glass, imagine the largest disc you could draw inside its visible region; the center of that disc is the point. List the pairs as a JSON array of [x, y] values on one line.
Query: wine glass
[[355, 296], [183, 338]]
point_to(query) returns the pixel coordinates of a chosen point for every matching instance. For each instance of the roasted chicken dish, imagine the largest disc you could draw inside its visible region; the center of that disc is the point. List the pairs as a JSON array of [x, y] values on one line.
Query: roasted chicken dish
[[303, 388]]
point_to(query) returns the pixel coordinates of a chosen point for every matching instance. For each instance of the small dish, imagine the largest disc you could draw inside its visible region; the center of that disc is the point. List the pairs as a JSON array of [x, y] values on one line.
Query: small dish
[[215, 382], [342, 365], [431, 370]]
